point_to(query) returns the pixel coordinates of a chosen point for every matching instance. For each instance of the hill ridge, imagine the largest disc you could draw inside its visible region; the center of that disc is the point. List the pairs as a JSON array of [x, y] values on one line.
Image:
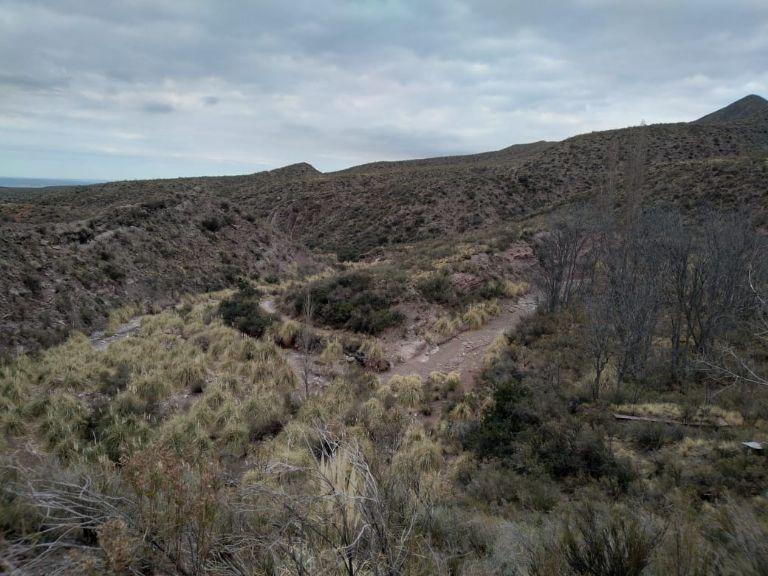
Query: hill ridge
[[202, 233], [744, 109]]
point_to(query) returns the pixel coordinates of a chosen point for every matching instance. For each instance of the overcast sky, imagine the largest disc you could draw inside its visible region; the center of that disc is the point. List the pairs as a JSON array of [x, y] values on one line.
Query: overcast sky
[[104, 89]]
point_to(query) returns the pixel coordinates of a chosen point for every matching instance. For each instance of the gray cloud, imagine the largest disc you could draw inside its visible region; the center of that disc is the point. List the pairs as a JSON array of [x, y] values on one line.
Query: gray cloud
[[254, 85], [157, 107]]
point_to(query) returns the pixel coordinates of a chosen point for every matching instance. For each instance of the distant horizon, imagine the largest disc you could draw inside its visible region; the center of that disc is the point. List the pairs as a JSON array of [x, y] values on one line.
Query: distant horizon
[[24, 182], [42, 182]]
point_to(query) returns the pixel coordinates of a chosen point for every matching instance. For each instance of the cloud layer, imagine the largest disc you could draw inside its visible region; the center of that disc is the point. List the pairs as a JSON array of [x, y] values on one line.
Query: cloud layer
[[141, 88]]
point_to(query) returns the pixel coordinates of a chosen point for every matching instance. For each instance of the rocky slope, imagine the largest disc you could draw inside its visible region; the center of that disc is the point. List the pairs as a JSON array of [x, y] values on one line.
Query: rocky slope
[[65, 275]]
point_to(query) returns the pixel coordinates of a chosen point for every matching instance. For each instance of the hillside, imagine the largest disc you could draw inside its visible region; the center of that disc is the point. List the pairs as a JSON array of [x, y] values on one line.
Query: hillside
[[74, 252], [502, 379], [67, 274], [742, 110]]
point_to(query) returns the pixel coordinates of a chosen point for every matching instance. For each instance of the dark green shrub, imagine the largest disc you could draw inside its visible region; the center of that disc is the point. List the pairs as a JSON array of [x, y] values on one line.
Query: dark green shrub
[[211, 224], [438, 288], [242, 311], [32, 283], [349, 301], [113, 272], [116, 381], [650, 436], [500, 434], [569, 450]]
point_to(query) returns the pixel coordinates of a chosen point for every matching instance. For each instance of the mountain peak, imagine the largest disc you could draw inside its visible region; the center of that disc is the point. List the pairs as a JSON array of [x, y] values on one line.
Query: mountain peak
[[298, 170], [741, 110]]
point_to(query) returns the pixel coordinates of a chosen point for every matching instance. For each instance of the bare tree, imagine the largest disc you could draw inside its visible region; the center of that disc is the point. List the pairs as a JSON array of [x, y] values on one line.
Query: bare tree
[[678, 250], [732, 367], [598, 337], [631, 268], [563, 260], [720, 294]]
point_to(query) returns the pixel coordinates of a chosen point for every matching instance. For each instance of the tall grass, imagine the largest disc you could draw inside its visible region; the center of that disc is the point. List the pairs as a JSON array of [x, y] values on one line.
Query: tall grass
[[163, 383]]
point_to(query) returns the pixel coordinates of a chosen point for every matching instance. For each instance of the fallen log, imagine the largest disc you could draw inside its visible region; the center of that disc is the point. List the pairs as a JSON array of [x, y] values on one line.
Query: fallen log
[[668, 421]]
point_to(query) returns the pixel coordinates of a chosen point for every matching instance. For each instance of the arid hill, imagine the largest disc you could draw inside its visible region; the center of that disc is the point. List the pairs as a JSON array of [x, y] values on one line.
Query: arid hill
[[742, 110], [67, 274], [71, 253]]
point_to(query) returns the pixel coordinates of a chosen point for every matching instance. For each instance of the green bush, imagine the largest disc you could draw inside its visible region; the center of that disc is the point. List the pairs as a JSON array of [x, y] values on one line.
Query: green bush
[[500, 433], [438, 288], [242, 311], [650, 436], [491, 289], [570, 450], [532, 433], [112, 382], [113, 272], [349, 301]]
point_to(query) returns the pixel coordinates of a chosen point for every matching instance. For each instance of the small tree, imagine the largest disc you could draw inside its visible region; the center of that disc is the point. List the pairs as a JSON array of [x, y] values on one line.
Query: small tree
[[563, 261], [598, 337]]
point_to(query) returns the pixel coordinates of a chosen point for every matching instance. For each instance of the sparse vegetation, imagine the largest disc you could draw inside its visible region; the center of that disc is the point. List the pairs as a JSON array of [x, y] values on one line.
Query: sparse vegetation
[[349, 301], [602, 436], [243, 311]]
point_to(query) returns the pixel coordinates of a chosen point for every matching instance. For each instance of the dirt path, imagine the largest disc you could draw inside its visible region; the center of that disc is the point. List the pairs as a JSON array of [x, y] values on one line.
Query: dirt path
[[464, 352], [101, 341]]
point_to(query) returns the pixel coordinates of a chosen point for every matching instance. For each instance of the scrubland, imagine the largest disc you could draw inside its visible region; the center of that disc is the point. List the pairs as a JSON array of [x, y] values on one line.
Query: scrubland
[[194, 447]]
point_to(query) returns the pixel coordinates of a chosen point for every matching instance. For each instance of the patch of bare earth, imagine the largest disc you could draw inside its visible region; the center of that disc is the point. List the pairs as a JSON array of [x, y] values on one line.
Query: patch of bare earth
[[101, 340], [464, 352]]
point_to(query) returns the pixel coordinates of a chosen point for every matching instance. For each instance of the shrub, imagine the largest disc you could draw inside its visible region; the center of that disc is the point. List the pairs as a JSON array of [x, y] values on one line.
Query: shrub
[[406, 389], [446, 326], [479, 314], [349, 301], [117, 381], [32, 283], [437, 288], [64, 425], [570, 450], [211, 224], [653, 435], [242, 311], [444, 383], [113, 272], [192, 377], [372, 355], [510, 414], [491, 289], [333, 352], [597, 543]]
